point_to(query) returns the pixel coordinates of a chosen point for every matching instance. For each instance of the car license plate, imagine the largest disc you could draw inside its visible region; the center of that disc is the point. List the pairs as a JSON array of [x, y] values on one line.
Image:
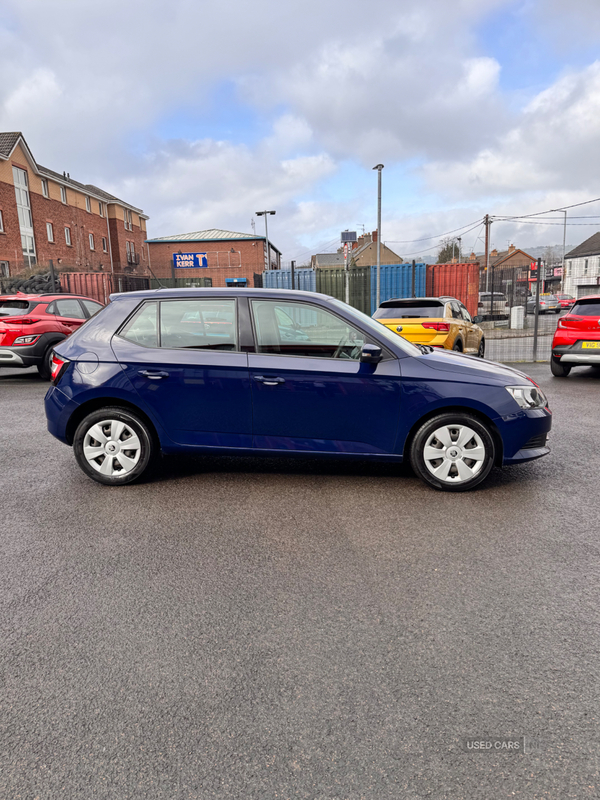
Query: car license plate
[[591, 345]]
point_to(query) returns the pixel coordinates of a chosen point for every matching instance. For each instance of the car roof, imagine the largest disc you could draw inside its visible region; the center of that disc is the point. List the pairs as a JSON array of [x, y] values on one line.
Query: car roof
[[46, 297], [223, 291], [401, 300], [589, 297]]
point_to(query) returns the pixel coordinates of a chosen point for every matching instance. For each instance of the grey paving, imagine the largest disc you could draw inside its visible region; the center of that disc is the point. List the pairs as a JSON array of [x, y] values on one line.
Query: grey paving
[[237, 628]]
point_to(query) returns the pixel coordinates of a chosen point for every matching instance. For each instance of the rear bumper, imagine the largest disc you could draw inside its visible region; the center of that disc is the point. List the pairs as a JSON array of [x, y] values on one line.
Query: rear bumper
[[8, 358], [575, 354], [58, 410]]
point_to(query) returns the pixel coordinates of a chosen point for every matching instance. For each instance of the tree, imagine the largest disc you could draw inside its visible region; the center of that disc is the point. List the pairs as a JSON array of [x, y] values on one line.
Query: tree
[[448, 251]]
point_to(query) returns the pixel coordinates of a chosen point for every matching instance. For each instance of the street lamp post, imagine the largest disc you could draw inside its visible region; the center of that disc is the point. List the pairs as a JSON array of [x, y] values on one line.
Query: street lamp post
[[379, 167], [265, 214]]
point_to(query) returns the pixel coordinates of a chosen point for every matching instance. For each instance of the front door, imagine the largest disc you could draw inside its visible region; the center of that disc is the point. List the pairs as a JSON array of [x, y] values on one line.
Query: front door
[[310, 392], [182, 358]]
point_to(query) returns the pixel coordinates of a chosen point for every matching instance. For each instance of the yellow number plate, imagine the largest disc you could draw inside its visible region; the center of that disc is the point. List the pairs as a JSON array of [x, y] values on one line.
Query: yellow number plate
[[591, 345]]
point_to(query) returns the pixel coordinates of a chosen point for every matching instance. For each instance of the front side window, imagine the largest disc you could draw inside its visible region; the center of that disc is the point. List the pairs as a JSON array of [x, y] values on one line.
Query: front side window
[[302, 329], [142, 328], [198, 324], [465, 314], [91, 307]]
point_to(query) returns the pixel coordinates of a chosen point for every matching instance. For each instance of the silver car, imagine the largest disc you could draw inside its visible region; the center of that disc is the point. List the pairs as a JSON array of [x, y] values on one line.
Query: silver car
[[548, 303]]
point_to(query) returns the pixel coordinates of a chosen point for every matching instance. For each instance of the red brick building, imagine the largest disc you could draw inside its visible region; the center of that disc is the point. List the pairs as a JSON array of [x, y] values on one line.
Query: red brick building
[[45, 215], [227, 257]]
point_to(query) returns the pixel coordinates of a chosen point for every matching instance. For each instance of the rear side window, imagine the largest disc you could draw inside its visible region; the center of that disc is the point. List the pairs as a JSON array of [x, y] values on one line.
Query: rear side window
[[409, 309], [142, 328], [198, 324], [590, 308]]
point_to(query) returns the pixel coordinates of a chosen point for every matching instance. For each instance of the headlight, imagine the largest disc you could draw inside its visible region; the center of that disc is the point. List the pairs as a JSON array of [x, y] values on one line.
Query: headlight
[[528, 396]]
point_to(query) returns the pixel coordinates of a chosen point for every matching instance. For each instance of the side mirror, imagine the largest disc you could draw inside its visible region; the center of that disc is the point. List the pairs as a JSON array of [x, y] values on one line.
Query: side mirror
[[477, 320], [371, 354]]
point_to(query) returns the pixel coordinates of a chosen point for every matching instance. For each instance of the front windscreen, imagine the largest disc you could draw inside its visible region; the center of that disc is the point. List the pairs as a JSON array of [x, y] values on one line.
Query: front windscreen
[[589, 308]]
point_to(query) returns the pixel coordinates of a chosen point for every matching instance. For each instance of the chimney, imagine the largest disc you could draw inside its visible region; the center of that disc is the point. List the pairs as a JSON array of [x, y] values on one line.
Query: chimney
[[493, 253], [374, 236], [511, 247]]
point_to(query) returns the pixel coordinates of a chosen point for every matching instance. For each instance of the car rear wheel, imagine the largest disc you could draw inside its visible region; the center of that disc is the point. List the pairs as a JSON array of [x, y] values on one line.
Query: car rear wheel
[[45, 366], [113, 446], [458, 346], [481, 351], [559, 370], [453, 452]]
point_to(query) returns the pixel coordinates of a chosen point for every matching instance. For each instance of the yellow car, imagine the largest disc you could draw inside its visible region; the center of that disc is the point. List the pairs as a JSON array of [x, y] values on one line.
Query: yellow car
[[436, 321]]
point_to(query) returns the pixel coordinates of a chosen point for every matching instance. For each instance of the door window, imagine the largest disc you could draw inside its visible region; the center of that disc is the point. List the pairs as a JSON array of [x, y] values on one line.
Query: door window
[[456, 313], [142, 328], [198, 324], [69, 308], [302, 329], [465, 314], [91, 307]]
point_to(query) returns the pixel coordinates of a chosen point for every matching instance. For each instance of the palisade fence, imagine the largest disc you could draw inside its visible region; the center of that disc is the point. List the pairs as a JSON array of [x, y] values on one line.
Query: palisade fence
[[502, 300]]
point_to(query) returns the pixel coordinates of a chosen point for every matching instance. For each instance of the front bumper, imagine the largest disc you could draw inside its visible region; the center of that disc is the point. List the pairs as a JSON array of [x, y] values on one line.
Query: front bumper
[[524, 435]]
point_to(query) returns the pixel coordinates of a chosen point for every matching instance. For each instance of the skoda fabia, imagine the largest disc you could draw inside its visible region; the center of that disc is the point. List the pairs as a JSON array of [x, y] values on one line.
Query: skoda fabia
[[275, 372]]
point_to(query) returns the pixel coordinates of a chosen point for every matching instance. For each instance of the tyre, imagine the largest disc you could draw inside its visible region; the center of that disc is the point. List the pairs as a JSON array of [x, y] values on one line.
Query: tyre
[[481, 350], [113, 446], [45, 366], [453, 452], [559, 370], [458, 346]]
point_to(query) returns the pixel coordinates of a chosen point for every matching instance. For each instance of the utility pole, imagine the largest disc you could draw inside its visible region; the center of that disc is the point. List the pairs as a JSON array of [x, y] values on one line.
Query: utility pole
[[562, 281], [537, 308], [459, 250], [413, 279], [292, 265], [265, 214], [487, 223], [379, 167]]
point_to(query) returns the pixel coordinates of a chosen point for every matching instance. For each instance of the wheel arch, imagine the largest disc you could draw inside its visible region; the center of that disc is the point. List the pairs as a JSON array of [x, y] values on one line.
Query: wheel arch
[[102, 402], [483, 418]]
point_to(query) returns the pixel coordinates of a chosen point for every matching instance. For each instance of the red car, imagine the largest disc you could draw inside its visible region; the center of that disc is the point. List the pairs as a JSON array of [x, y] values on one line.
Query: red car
[[31, 324], [565, 300], [577, 338]]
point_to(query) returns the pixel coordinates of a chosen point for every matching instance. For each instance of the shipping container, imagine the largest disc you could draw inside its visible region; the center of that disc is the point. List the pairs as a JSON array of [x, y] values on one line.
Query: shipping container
[[304, 279], [396, 281], [455, 280], [333, 283]]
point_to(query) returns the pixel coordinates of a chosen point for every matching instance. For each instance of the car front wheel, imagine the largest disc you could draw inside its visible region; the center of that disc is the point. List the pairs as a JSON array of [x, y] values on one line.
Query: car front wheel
[[113, 446], [481, 351], [453, 452]]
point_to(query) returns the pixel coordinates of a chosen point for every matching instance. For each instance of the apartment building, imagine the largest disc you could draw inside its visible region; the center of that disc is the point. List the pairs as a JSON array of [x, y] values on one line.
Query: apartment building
[[47, 215], [582, 268]]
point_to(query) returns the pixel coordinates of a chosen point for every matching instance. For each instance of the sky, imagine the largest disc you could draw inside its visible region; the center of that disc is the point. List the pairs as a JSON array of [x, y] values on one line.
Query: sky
[[203, 113]]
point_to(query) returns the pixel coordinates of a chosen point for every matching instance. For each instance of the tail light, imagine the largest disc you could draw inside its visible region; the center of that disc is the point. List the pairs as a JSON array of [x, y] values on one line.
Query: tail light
[[442, 327], [58, 367]]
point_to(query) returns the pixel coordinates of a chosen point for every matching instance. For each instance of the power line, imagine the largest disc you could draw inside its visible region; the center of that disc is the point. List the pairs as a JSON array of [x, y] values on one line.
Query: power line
[[550, 210], [428, 238]]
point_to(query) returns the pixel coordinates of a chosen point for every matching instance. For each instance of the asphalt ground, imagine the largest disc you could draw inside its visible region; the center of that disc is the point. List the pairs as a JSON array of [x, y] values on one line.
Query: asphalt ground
[[240, 628]]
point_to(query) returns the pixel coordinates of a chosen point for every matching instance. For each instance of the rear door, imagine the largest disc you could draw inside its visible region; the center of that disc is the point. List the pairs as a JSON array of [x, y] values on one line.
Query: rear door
[[183, 359], [310, 392], [69, 313]]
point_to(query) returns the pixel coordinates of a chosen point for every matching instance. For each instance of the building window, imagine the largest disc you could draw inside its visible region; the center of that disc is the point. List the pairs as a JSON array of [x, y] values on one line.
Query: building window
[[585, 267], [100, 210], [63, 195], [92, 241], [68, 235], [88, 205], [24, 213], [50, 231], [1, 223], [128, 246], [104, 244], [45, 191], [128, 217]]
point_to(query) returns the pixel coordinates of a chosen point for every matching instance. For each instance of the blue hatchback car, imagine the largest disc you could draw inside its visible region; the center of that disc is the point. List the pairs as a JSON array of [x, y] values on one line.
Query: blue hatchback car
[[258, 371]]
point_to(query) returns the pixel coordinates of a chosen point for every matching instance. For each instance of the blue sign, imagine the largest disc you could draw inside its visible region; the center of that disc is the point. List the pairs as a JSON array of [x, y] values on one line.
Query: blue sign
[[189, 260]]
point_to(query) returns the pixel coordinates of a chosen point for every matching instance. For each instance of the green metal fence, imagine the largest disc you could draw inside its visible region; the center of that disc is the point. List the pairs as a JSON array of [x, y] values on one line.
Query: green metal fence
[[333, 282]]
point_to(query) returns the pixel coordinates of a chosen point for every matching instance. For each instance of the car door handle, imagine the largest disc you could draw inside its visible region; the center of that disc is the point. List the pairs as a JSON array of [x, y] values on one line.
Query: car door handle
[[154, 376], [268, 381]]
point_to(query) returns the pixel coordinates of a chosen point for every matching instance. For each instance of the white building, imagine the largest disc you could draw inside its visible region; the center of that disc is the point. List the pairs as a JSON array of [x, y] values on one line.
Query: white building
[[582, 268]]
